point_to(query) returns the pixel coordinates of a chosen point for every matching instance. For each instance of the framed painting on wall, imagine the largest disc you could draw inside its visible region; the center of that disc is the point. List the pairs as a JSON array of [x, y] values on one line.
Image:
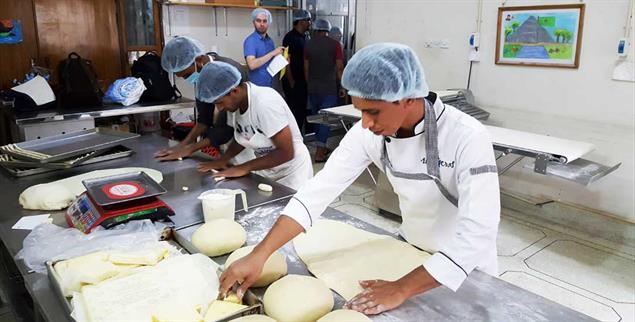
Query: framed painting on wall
[[549, 35]]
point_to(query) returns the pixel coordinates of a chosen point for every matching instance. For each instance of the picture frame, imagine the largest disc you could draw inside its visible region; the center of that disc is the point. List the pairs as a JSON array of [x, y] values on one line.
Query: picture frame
[[543, 35], [10, 31]]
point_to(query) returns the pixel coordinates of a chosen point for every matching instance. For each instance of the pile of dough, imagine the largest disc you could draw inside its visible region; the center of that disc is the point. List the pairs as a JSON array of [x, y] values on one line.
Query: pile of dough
[[275, 266], [342, 255], [253, 318], [297, 298], [344, 316], [218, 237], [173, 290], [59, 194], [221, 309], [96, 267]]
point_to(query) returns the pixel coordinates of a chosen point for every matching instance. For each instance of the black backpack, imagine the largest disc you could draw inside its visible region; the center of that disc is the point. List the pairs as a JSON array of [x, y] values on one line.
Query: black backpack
[[158, 86], [78, 83]]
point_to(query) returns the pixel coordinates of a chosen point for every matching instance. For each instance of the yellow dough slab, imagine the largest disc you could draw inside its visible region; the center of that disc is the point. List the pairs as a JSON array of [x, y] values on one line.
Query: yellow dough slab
[[342, 255]]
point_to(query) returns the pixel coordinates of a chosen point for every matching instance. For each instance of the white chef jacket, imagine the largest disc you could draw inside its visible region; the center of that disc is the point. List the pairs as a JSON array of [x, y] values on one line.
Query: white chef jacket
[[267, 115], [462, 235]]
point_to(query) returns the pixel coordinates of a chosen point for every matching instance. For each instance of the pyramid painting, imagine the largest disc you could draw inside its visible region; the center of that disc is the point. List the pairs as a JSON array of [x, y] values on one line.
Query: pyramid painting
[[538, 36]]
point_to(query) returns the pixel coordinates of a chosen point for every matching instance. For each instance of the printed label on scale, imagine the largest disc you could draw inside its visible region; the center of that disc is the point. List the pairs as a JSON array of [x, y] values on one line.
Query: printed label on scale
[[123, 190]]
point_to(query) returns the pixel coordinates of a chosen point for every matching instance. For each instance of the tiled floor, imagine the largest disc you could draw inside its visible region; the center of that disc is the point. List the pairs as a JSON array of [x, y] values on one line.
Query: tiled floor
[[595, 278]]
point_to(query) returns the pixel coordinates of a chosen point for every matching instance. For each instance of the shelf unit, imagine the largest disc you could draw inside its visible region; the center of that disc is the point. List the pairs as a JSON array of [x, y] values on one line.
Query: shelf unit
[[223, 5]]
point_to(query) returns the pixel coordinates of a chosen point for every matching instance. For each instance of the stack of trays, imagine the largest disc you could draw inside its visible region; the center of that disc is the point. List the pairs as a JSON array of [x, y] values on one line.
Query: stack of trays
[[64, 151]]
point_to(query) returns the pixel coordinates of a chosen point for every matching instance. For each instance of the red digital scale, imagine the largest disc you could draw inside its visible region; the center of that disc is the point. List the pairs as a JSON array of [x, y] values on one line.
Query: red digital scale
[[117, 199]]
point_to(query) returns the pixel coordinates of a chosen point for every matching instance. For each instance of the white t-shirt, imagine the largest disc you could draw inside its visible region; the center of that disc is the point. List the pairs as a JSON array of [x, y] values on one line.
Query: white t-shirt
[[267, 115]]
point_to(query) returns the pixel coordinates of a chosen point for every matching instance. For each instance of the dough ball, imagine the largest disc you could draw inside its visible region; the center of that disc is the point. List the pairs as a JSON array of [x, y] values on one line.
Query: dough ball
[[275, 267], [253, 318], [218, 237], [345, 316], [265, 187], [297, 298]]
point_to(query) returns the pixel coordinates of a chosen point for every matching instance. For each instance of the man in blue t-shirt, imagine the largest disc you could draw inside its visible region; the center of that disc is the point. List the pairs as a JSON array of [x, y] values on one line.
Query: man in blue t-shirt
[[259, 49]]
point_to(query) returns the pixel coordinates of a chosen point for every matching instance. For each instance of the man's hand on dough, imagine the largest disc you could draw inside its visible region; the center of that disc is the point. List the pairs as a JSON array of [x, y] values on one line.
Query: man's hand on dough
[[378, 296], [233, 172], [244, 271]]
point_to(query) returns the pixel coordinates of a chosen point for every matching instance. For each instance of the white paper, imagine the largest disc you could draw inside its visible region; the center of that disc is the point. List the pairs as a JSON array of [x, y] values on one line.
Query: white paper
[[277, 64], [29, 222], [38, 89], [624, 71]]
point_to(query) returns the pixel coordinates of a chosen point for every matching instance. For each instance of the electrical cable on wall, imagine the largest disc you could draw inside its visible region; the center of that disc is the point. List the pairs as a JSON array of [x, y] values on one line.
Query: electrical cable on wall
[[474, 41]]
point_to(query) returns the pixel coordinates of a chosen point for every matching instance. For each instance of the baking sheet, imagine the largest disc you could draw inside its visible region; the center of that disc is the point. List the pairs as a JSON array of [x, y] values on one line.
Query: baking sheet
[[65, 146], [117, 152]]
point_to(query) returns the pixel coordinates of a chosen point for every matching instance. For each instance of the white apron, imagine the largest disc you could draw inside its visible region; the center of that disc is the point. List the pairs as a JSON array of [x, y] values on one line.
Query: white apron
[[293, 173], [429, 211]]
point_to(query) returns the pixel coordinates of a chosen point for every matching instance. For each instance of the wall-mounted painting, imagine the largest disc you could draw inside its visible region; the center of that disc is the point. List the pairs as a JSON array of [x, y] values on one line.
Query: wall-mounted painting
[[10, 31], [540, 35]]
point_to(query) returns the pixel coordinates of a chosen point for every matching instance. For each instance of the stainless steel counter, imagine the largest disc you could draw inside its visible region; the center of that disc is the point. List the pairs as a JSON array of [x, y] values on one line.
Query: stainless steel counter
[[480, 298], [105, 111]]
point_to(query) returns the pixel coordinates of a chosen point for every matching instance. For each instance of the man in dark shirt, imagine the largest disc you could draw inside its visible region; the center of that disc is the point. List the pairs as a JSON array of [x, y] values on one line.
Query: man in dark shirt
[[294, 83], [323, 67], [185, 57]]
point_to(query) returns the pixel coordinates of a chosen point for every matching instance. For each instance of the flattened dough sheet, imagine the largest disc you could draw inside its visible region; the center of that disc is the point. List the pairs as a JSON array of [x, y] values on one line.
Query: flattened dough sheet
[[342, 255]]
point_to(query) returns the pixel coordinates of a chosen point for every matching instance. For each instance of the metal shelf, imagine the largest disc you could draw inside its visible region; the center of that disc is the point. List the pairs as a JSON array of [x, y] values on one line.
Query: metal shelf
[[224, 5]]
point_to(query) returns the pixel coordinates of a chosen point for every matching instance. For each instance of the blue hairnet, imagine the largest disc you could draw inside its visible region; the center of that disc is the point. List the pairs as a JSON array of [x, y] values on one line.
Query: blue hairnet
[[179, 53], [335, 31], [301, 14], [322, 25], [385, 71], [216, 80], [258, 11]]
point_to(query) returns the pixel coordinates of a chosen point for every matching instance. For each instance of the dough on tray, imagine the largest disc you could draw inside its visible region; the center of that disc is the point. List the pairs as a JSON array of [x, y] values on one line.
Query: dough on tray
[[275, 266], [298, 298], [218, 237]]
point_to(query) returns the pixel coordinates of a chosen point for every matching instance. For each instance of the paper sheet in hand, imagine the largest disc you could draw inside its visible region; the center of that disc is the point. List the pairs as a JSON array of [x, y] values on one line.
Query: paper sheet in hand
[[277, 64], [38, 89]]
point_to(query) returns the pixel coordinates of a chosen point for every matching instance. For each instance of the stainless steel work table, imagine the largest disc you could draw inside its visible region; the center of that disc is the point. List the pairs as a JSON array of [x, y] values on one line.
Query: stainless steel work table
[[176, 175], [480, 298]]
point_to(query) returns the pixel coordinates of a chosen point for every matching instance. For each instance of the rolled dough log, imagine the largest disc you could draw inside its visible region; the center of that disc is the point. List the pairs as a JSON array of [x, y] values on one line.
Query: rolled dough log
[[275, 267], [59, 194], [342, 255], [298, 298], [345, 316], [218, 237]]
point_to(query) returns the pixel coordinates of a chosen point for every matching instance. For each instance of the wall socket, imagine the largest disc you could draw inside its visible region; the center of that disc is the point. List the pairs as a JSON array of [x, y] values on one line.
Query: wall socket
[[443, 44]]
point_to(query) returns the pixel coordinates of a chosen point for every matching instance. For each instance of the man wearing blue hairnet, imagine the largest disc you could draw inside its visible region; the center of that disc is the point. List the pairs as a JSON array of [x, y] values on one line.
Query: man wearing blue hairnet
[[185, 57], [294, 84], [259, 48], [440, 162], [262, 123]]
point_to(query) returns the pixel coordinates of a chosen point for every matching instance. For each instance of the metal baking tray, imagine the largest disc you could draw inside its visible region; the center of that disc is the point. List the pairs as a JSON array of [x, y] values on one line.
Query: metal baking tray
[[10, 163], [254, 304], [149, 188], [65, 146]]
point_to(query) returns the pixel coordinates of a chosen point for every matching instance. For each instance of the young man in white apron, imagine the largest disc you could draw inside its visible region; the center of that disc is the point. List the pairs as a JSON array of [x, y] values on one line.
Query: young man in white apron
[[440, 162], [262, 122]]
